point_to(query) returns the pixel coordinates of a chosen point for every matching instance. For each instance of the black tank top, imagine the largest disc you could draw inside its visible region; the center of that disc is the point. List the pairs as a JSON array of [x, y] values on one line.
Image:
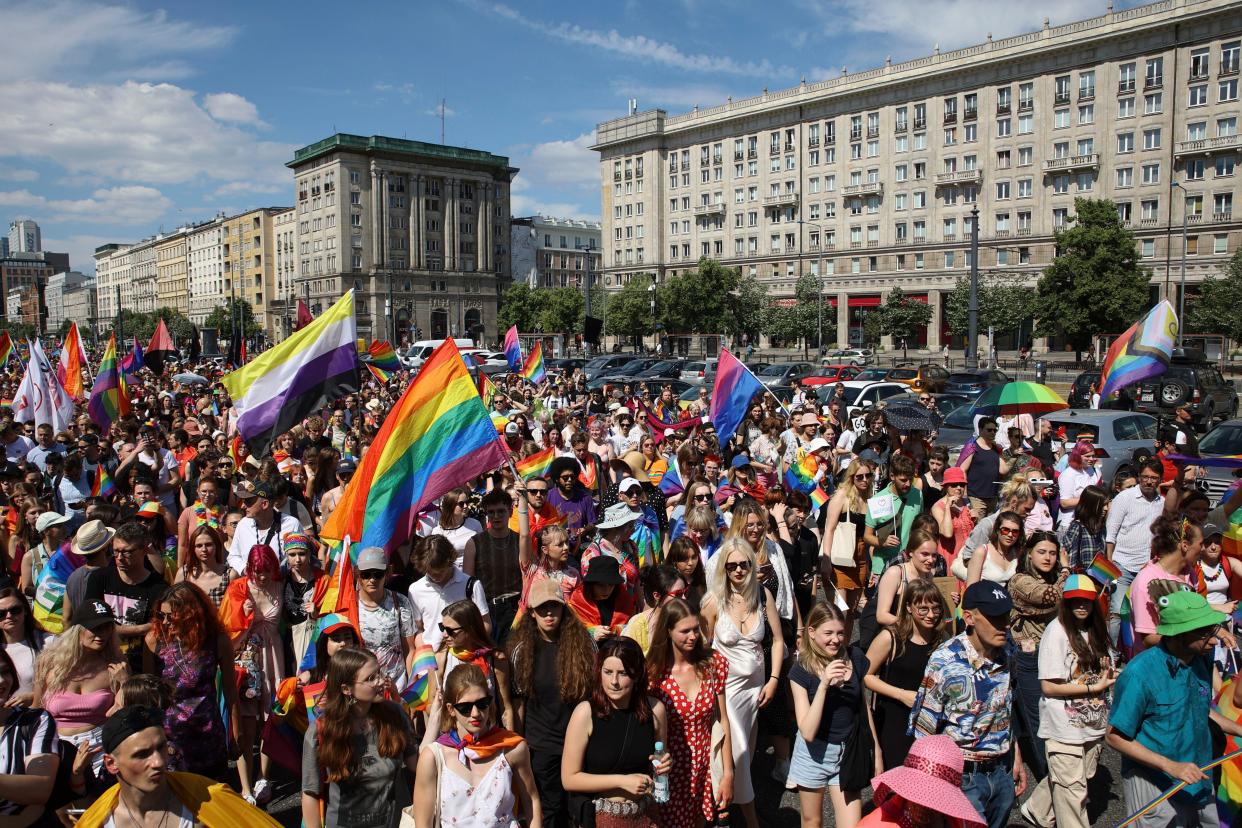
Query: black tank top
[[620, 744]]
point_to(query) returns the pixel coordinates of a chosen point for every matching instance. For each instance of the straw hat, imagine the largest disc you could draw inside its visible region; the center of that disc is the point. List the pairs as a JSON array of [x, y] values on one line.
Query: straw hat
[[932, 777]]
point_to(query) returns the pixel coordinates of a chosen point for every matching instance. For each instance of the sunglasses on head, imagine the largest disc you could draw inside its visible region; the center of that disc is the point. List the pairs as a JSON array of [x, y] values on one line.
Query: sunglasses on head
[[466, 708]]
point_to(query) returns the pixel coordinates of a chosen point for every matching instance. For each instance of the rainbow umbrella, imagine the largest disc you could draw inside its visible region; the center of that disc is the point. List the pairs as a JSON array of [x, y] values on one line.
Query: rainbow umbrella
[[1019, 398]]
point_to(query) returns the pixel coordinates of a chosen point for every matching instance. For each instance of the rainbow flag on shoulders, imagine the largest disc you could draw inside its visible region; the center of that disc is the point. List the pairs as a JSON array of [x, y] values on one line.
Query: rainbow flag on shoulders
[[537, 464], [800, 476], [532, 368], [1142, 352], [436, 437]]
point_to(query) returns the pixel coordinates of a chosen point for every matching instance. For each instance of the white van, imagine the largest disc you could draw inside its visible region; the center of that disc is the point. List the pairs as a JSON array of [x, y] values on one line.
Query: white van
[[416, 354]]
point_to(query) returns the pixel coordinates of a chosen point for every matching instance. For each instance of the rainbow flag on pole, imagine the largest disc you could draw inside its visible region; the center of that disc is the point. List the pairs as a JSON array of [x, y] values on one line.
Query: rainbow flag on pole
[[417, 693], [1142, 352], [436, 437], [735, 387], [537, 464], [513, 350], [103, 486], [109, 398], [818, 498], [1102, 570], [532, 368], [384, 360]]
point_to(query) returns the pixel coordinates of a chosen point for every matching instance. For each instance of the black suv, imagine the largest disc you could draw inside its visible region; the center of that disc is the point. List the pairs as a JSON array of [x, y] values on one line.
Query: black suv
[[1080, 392], [1189, 378]]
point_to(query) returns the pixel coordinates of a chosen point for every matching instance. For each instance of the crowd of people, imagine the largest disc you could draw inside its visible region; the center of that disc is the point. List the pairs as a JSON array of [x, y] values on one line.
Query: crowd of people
[[618, 642]]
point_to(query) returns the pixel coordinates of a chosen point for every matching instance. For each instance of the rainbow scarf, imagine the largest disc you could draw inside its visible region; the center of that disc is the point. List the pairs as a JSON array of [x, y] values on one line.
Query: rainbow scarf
[[477, 657], [472, 748]]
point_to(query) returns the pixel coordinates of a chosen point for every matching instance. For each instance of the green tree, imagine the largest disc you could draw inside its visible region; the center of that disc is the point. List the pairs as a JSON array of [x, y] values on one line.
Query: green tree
[[900, 317], [1216, 309], [179, 326], [1003, 304], [18, 330], [799, 319], [629, 309], [518, 306], [750, 309], [561, 310], [700, 301], [221, 318], [1095, 284]]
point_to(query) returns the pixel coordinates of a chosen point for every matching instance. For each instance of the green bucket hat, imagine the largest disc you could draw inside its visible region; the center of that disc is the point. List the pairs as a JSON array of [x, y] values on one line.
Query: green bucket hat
[[1184, 611]]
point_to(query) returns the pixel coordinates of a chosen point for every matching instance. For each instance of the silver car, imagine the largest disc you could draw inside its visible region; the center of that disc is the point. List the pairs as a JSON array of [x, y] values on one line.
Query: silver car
[[1223, 441]]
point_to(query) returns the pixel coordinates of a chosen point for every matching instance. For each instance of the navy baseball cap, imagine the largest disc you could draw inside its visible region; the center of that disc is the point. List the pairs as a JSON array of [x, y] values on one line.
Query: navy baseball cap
[[989, 597]]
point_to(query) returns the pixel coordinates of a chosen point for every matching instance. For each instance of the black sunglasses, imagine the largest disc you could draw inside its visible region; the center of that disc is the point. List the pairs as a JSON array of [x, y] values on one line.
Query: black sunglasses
[[371, 574], [11, 612], [466, 708], [449, 630]]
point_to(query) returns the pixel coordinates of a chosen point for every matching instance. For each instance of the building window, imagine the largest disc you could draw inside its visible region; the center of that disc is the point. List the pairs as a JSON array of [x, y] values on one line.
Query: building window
[[1151, 173], [1125, 142], [1125, 108], [1198, 95]]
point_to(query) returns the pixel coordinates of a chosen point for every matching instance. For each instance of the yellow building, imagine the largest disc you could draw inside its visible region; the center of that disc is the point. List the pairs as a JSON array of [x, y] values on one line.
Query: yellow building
[[248, 241], [171, 290]]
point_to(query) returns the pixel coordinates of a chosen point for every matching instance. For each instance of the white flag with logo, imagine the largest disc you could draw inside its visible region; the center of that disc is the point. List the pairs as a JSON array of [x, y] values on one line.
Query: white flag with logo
[[41, 398]]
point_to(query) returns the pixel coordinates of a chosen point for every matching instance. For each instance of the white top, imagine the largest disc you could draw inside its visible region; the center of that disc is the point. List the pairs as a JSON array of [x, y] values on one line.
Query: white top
[[490, 804], [23, 657], [247, 535], [163, 465], [1128, 526], [1071, 483], [458, 537], [17, 450], [1071, 721], [185, 819], [430, 599], [1215, 581]]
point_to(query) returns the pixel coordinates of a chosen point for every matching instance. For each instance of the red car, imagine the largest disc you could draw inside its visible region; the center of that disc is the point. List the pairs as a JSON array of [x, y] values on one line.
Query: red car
[[829, 374]]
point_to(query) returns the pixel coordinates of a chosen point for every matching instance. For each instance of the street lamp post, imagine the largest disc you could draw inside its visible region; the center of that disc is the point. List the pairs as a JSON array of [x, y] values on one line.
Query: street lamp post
[[651, 289], [819, 289], [972, 328], [1181, 299]]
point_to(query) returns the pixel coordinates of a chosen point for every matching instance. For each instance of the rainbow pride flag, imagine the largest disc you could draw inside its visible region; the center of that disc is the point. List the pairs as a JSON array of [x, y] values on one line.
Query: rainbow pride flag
[[818, 498], [735, 387], [103, 485], [417, 693], [1102, 570], [487, 390], [513, 350], [537, 464], [800, 476], [436, 437], [532, 368], [6, 348], [109, 398], [71, 361], [1229, 791], [1142, 352], [384, 360]]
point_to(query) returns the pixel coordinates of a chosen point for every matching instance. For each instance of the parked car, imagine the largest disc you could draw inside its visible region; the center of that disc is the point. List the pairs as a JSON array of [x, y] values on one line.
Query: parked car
[[1189, 378], [699, 373], [920, 378], [1081, 390], [1224, 440], [666, 368], [568, 366], [861, 396], [872, 375], [849, 356], [973, 383], [602, 364], [946, 404], [828, 375], [780, 373]]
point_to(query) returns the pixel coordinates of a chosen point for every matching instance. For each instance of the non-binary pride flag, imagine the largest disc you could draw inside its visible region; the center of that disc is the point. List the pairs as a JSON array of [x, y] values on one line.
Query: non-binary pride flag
[[285, 384], [436, 437], [735, 387], [1141, 352], [513, 350], [109, 398], [532, 368]]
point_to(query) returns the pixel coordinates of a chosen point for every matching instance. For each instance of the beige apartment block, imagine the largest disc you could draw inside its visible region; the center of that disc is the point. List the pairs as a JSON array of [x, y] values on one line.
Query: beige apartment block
[[868, 180], [555, 252], [420, 231], [205, 269], [172, 270], [248, 250], [283, 302]]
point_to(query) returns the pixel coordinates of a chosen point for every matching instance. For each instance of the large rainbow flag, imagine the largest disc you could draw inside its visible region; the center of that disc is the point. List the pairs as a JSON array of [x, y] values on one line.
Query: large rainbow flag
[[384, 360], [437, 436], [285, 384], [1141, 352], [72, 360], [735, 387], [6, 348], [109, 398]]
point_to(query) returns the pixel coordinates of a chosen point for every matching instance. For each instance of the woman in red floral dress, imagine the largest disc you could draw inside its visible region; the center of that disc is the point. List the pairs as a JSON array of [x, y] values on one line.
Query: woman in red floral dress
[[689, 677]]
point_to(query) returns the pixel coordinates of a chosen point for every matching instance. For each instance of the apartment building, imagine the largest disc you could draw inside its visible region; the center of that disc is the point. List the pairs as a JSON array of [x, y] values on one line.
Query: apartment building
[[249, 252], [869, 180], [62, 302], [79, 303], [284, 300], [204, 246], [172, 272], [419, 231], [555, 252]]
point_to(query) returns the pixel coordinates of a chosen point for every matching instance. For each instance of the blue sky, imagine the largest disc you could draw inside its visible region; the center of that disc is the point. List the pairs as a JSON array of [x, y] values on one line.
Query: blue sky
[[122, 118]]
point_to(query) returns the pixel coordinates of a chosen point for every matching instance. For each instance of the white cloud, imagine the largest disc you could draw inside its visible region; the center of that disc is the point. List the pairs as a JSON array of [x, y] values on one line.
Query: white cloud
[[434, 112], [150, 133], [557, 178], [405, 91], [17, 174], [637, 47], [227, 106], [71, 39], [117, 205], [80, 247]]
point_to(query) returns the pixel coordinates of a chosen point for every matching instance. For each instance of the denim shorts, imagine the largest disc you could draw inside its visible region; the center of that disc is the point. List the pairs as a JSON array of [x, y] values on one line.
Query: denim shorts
[[815, 764]]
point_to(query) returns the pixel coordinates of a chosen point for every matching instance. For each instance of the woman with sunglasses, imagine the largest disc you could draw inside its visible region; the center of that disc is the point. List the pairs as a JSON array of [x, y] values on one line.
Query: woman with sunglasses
[[186, 648], [552, 656], [23, 641], [954, 520], [660, 584], [739, 614], [997, 560], [355, 749], [466, 641], [609, 748], [385, 618], [475, 772], [653, 464], [848, 504]]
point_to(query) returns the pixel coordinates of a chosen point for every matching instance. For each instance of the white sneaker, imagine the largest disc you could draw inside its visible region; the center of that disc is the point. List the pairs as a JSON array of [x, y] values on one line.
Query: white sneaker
[[262, 792]]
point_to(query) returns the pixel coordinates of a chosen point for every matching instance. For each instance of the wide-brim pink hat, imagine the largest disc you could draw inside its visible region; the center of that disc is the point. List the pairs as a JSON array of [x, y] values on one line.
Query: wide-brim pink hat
[[932, 777]]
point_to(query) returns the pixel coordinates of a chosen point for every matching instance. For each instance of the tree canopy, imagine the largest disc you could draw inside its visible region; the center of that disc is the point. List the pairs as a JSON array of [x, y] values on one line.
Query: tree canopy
[[1004, 304], [221, 318], [629, 309], [900, 317], [1218, 309]]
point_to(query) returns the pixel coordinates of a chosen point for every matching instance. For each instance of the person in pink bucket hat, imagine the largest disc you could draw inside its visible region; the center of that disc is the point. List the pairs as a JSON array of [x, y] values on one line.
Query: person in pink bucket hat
[[925, 792]]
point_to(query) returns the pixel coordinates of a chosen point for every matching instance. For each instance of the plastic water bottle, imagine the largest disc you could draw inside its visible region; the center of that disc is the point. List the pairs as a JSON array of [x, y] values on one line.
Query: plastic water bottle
[[659, 787]]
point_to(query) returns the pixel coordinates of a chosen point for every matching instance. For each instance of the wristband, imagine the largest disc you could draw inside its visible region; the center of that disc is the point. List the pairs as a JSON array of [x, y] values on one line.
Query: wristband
[[774, 678]]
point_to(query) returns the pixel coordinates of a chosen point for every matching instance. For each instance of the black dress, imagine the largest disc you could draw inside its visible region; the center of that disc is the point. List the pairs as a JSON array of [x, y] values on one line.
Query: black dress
[[904, 671]]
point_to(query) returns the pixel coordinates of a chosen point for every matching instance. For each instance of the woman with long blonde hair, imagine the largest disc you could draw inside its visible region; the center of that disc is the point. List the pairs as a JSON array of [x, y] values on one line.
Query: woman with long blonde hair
[[849, 504]]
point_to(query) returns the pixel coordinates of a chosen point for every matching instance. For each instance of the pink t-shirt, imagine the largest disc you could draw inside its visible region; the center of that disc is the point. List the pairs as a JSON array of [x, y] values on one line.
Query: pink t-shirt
[[567, 578], [1144, 610]]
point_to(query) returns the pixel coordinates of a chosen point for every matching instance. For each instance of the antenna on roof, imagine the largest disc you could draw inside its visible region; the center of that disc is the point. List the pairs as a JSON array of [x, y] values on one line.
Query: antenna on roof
[[442, 120]]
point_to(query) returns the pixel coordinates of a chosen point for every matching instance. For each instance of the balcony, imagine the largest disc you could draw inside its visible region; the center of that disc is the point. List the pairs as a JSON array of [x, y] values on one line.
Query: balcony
[[1091, 161], [1061, 99], [775, 149], [948, 179], [1208, 146], [901, 240], [789, 146], [1125, 87], [717, 160], [873, 243], [900, 127], [1194, 218], [616, 176], [1220, 218], [781, 200], [710, 210], [855, 245], [920, 123], [1002, 109], [1228, 69], [1001, 234], [1149, 222], [1153, 82], [949, 237], [950, 118], [855, 134], [970, 115], [1026, 105], [813, 141], [1024, 231], [739, 155], [1086, 94], [873, 188], [873, 132], [752, 154]]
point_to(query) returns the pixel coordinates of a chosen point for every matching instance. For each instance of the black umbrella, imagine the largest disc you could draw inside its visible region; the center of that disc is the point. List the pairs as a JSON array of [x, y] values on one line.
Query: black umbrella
[[909, 416]]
